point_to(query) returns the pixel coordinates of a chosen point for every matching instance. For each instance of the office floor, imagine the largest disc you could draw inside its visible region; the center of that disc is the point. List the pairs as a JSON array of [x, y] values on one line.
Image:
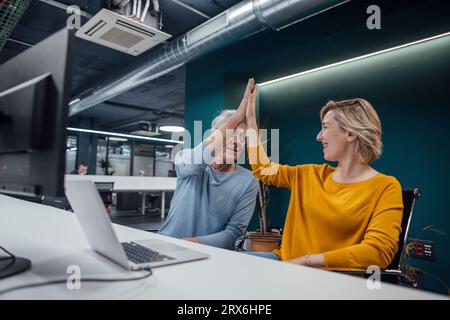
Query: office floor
[[151, 221]]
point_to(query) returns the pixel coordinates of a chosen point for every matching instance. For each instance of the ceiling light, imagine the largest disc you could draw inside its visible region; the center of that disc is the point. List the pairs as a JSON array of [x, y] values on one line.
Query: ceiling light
[[116, 134], [117, 139], [171, 128], [354, 59]]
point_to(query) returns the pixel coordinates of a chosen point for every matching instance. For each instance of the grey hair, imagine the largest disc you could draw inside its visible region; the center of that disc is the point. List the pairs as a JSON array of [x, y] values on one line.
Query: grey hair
[[221, 118]]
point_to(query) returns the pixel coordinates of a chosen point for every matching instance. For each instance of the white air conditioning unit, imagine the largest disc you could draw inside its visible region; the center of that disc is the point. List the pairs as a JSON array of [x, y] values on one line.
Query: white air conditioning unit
[[121, 33]]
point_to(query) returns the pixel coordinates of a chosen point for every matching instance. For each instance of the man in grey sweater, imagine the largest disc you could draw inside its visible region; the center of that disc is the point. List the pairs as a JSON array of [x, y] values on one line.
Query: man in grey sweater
[[215, 198]]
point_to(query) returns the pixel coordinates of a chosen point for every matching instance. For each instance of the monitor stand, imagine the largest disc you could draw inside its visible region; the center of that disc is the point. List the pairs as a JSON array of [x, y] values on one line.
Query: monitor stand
[[10, 267]]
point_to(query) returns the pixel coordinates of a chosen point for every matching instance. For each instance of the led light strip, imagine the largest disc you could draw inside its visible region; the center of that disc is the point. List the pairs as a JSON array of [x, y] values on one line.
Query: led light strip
[[123, 135], [354, 59]]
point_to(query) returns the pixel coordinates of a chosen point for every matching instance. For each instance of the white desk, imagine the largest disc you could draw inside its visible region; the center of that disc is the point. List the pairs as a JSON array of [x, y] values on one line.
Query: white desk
[[135, 184], [53, 239]]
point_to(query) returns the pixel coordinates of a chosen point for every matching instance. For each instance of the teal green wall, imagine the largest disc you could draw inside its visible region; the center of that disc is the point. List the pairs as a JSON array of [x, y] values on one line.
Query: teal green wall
[[408, 87]]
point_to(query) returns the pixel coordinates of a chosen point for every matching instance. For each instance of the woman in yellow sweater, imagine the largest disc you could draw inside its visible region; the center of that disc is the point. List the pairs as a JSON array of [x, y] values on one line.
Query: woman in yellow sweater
[[344, 217]]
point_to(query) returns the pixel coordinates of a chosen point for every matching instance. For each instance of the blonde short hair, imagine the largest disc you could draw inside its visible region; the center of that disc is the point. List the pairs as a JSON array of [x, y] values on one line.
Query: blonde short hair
[[357, 116]]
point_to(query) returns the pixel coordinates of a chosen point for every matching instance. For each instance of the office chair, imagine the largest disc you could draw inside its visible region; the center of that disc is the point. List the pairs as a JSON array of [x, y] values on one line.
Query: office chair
[[394, 273], [149, 203]]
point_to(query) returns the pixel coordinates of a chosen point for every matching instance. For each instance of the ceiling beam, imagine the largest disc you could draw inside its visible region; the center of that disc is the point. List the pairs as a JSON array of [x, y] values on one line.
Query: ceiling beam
[[184, 5], [128, 122], [142, 108], [19, 42]]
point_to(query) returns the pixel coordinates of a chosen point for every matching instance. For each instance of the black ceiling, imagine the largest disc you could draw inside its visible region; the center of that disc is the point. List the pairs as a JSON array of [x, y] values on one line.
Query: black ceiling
[[159, 100]]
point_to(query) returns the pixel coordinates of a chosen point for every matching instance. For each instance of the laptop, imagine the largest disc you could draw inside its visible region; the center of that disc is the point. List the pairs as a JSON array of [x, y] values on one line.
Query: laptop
[[96, 224]]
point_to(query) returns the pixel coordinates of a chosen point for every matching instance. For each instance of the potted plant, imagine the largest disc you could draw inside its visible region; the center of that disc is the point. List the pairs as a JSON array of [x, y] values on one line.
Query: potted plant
[[263, 240], [106, 166]]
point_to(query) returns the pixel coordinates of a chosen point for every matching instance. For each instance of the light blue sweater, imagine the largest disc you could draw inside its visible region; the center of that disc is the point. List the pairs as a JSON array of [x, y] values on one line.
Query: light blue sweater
[[213, 206]]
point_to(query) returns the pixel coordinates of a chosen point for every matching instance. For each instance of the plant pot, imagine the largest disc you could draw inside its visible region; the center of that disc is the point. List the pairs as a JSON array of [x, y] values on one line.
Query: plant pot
[[263, 242]]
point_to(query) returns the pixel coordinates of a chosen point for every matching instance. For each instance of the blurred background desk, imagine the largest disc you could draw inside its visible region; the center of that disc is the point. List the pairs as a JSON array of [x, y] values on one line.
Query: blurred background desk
[[145, 185]]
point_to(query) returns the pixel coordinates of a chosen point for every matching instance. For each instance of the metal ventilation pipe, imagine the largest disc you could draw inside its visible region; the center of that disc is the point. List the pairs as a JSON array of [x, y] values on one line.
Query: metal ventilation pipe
[[240, 21]]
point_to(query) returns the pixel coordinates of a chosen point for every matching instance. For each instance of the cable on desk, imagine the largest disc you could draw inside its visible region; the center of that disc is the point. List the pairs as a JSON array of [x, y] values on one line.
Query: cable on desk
[[58, 281], [10, 257]]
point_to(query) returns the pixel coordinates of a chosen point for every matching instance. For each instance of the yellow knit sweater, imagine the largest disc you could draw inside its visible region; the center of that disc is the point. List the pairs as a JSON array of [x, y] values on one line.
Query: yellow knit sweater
[[353, 224]]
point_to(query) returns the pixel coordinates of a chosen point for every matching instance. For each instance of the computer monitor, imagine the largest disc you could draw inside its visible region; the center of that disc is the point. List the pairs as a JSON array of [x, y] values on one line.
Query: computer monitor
[[34, 93]]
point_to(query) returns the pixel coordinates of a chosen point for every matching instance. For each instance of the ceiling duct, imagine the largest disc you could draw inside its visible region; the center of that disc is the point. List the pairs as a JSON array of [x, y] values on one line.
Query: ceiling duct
[[242, 20]]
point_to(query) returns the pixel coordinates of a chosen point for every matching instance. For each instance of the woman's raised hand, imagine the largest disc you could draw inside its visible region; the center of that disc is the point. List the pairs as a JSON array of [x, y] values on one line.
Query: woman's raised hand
[[250, 114], [250, 119]]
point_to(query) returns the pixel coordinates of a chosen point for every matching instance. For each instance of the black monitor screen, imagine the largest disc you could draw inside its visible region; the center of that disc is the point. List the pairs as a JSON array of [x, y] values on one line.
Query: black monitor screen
[[34, 93]]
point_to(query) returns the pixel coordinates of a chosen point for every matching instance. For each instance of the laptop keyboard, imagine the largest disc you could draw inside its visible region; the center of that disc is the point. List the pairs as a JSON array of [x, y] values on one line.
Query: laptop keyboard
[[140, 254]]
